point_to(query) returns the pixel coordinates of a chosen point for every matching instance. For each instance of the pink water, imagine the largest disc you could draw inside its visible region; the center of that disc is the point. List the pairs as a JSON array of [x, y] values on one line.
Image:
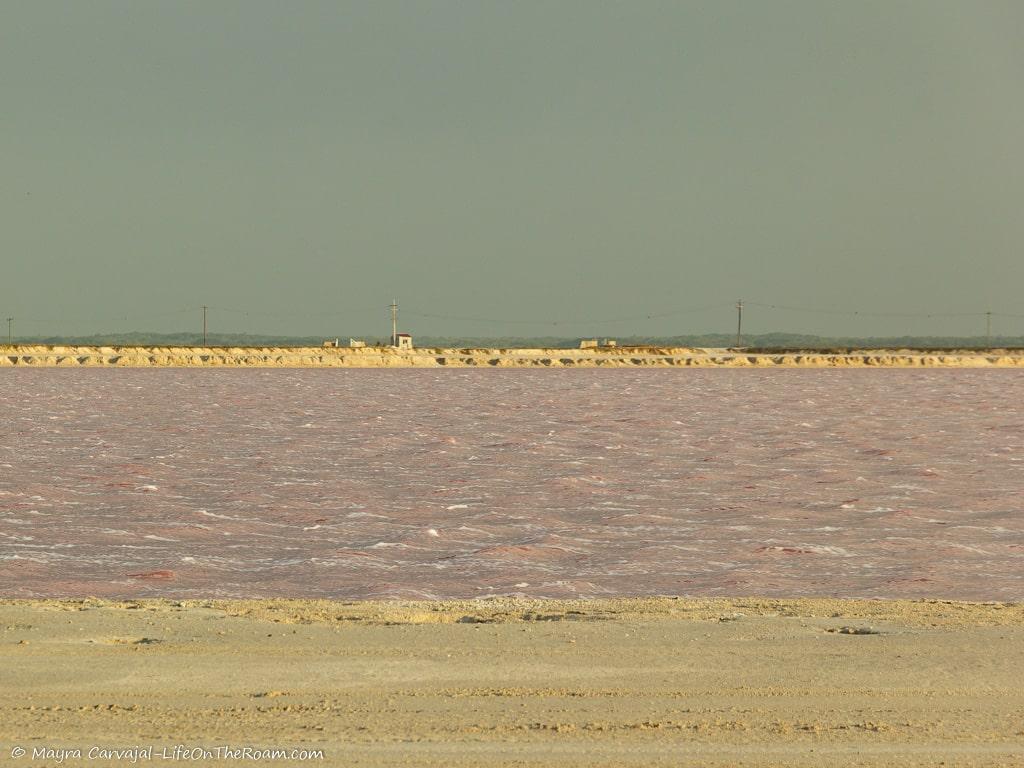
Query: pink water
[[412, 483]]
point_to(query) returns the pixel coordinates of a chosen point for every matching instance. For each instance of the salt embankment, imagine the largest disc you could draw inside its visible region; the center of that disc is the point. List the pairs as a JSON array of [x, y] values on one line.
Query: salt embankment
[[386, 357]]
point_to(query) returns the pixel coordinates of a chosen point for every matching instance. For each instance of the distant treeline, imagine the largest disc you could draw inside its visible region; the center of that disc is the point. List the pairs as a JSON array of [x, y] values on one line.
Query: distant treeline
[[764, 341]]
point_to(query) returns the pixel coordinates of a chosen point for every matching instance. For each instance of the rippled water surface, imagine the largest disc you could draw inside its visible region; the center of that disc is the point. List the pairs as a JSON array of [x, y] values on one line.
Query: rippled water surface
[[411, 483]]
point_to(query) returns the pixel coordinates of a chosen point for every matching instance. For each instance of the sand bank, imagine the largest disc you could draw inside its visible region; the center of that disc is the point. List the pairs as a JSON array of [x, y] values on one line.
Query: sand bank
[[515, 682], [373, 357]]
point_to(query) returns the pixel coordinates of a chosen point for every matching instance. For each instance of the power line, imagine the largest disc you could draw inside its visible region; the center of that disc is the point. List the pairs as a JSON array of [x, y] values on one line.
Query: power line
[[262, 313], [108, 318], [564, 322], [505, 321], [861, 313]]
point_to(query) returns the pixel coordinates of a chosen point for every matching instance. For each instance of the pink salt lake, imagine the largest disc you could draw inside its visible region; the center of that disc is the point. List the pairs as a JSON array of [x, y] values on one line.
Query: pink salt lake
[[576, 483]]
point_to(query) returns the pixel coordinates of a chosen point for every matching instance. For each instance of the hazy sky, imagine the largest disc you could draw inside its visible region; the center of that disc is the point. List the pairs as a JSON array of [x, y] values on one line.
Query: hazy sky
[[519, 161]]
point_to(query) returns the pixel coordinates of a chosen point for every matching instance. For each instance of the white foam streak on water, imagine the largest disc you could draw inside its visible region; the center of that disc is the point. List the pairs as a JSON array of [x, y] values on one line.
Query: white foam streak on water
[[406, 483]]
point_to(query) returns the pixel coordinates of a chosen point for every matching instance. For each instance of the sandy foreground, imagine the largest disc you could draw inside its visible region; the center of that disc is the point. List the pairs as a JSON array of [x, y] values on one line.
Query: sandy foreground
[[374, 357], [673, 682]]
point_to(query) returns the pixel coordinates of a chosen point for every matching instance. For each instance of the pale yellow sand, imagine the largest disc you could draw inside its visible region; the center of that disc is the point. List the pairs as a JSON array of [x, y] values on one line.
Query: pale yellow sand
[[370, 357], [495, 683]]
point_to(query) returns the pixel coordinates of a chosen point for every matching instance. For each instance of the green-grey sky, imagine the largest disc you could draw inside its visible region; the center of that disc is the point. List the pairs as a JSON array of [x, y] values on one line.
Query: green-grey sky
[[510, 160]]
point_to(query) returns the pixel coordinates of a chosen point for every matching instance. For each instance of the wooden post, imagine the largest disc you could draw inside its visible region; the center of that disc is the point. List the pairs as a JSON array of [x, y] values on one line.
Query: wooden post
[[394, 322]]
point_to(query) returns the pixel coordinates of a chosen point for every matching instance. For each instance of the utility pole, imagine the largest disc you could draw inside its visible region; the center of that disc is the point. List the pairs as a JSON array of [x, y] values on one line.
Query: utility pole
[[739, 323], [988, 328], [394, 322], [204, 324], [9, 336]]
